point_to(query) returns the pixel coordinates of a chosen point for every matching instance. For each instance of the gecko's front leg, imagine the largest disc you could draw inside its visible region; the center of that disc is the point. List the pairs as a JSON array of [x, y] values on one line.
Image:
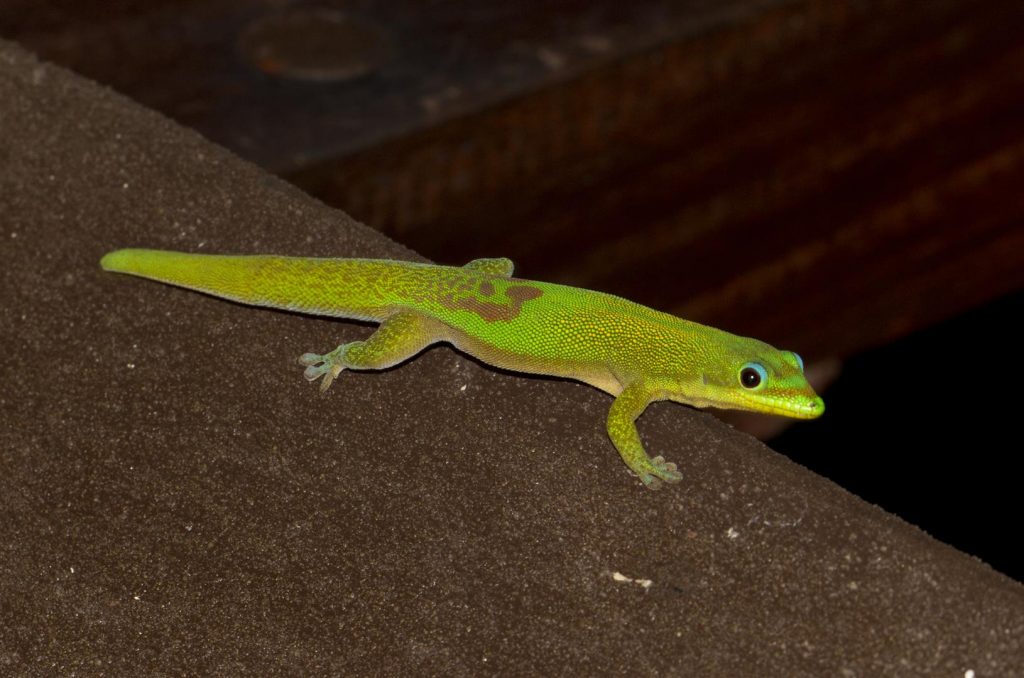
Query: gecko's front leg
[[398, 338], [629, 405]]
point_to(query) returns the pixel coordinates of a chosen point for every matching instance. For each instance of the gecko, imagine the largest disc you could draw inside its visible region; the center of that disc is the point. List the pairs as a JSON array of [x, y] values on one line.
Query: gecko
[[636, 354]]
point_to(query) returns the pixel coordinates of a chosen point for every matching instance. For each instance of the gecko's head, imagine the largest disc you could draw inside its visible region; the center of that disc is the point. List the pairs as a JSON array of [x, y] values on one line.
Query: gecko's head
[[759, 378]]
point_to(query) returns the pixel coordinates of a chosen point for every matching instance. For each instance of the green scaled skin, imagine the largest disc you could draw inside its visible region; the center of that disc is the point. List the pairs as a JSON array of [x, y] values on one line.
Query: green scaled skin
[[635, 353]]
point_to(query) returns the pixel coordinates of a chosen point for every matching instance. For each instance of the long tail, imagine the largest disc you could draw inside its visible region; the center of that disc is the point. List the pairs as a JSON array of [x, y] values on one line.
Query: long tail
[[347, 288]]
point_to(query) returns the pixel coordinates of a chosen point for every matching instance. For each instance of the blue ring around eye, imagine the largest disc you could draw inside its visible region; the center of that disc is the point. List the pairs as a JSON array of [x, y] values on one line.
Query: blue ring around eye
[[753, 376]]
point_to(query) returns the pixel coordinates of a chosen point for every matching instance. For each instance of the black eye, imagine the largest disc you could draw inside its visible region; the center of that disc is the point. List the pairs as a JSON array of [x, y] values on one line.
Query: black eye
[[750, 378], [752, 375]]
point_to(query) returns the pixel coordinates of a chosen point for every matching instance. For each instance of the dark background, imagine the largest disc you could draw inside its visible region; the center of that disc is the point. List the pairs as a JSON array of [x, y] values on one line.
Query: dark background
[[839, 178], [957, 473]]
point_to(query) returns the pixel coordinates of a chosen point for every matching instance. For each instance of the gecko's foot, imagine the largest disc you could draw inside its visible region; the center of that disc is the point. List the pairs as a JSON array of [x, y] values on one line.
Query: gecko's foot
[[327, 366], [657, 472]]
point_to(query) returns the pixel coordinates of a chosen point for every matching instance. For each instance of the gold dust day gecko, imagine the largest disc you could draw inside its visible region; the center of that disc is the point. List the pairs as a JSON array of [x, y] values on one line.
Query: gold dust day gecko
[[635, 353]]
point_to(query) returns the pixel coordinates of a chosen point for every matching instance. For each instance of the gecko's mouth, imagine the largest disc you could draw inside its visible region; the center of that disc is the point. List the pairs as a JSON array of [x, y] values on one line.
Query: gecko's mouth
[[796, 408]]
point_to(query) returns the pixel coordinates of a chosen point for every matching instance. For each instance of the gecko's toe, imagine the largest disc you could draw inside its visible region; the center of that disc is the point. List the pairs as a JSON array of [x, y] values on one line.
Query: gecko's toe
[[314, 372], [318, 366], [310, 359], [327, 371], [666, 470], [655, 472], [329, 375], [650, 482]]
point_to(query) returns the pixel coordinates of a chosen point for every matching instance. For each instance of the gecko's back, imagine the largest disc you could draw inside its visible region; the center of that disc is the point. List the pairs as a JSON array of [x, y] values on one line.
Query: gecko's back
[[514, 323], [486, 310]]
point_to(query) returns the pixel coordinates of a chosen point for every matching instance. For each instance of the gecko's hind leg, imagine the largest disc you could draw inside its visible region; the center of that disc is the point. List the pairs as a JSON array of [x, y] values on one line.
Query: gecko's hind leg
[[398, 338]]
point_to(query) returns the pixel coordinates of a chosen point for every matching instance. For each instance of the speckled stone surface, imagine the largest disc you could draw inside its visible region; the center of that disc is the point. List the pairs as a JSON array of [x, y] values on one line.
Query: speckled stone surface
[[176, 499]]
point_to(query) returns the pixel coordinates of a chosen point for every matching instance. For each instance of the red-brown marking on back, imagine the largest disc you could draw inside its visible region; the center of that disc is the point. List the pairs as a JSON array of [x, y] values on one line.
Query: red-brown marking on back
[[493, 311]]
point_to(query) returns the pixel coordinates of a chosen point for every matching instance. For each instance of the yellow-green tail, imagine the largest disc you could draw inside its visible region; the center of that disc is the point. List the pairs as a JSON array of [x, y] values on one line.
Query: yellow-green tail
[[337, 287]]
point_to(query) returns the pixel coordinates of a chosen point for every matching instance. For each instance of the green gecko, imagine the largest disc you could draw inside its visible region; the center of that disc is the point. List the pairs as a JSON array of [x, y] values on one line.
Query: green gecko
[[635, 353]]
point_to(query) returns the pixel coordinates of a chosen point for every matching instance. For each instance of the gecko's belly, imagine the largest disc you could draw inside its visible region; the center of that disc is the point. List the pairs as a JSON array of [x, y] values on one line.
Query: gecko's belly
[[547, 356]]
